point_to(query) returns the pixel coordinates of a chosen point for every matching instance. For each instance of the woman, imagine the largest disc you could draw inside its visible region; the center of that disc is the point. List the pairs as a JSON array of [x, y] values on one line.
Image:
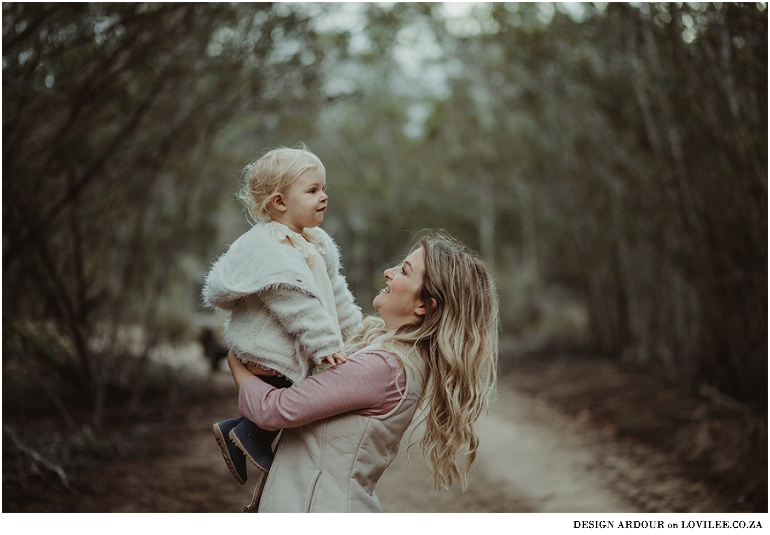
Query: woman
[[433, 347]]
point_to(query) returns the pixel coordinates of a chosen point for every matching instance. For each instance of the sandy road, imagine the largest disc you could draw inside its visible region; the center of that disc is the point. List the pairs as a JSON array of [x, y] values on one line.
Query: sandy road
[[531, 459]]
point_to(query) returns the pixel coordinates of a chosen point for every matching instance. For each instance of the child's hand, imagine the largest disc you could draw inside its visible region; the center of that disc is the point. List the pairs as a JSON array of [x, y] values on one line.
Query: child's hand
[[333, 359]]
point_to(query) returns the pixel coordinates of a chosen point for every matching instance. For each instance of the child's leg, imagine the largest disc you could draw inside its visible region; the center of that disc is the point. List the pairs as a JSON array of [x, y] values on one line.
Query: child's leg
[[255, 442], [233, 456]]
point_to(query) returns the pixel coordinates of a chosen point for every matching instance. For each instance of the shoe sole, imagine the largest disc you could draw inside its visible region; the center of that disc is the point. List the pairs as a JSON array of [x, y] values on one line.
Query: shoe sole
[[221, 441], [254, 463]]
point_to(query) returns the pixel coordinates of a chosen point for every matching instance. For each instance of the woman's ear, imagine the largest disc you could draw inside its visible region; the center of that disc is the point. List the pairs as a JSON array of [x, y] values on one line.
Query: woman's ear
[[421, 310]]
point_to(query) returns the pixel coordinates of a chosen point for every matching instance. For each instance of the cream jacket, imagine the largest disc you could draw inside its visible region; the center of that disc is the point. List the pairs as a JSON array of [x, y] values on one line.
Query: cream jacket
[[277, 319], [333, 465]]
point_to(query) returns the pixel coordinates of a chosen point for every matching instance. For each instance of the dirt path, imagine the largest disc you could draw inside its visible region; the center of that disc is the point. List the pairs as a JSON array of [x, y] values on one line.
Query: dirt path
[[532, 458], [535, 459]]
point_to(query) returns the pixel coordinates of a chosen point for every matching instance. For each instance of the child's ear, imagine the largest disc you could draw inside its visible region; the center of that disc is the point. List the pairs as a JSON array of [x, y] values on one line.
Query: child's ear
[[277, 202]]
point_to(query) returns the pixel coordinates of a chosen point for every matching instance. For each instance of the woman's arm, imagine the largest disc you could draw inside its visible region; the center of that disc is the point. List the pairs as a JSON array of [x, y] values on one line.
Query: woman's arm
[[371, 383], [243, 371], [238, 369]]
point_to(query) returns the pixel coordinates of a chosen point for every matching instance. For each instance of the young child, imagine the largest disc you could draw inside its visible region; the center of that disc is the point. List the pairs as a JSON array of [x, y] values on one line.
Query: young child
[[290, 308]]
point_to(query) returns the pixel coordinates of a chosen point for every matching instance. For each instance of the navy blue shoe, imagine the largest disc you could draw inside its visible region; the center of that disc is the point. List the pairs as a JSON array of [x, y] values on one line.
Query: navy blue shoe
[[255, 443], [234, 457]]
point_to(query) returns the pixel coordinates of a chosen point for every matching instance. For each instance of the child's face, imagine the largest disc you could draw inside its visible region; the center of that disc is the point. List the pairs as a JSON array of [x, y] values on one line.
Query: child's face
[[304, 202]]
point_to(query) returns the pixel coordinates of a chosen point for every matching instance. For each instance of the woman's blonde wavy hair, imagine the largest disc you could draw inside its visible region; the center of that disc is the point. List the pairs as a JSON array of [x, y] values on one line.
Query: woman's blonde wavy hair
[[457, 343], [272, 174]]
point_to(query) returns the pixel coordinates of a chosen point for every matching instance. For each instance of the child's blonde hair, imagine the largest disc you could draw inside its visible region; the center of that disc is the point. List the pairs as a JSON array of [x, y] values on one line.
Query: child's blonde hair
[[272, 174]]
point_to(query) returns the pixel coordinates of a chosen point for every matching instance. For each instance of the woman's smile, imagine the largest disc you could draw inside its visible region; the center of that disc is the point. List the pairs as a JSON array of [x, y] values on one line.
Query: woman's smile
[[398, 302]]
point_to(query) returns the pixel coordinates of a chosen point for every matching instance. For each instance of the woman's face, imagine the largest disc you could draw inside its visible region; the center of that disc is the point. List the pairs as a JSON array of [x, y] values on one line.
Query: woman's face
[[399, 303]]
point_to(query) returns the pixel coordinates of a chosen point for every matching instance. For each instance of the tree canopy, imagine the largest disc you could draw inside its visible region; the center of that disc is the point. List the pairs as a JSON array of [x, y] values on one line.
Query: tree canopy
[[608, 161]]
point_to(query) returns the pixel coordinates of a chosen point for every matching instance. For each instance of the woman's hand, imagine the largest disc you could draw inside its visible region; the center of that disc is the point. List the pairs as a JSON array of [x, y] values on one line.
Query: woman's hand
[[238, 369]]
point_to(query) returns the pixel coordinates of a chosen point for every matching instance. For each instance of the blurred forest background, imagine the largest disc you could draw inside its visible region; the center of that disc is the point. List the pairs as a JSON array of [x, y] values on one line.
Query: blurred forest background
[[608, 161]]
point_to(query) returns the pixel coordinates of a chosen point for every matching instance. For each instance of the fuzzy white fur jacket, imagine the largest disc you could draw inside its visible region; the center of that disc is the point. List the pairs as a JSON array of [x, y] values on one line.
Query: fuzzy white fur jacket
[[276, 316]]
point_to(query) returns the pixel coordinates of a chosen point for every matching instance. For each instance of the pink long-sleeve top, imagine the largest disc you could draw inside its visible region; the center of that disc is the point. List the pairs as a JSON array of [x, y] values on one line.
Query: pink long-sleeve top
[[370, 383]]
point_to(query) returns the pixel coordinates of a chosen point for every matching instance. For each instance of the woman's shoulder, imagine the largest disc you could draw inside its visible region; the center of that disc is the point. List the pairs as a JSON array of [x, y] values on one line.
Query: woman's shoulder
[[375, 357], [375, 351], [382, 367]]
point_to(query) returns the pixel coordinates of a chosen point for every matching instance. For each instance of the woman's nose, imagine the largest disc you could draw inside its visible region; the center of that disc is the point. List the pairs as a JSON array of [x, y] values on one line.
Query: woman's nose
[[387, 273]]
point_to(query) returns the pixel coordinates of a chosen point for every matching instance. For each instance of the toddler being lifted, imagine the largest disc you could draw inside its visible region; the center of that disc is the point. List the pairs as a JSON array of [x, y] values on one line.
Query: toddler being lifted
[[290, 309]]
